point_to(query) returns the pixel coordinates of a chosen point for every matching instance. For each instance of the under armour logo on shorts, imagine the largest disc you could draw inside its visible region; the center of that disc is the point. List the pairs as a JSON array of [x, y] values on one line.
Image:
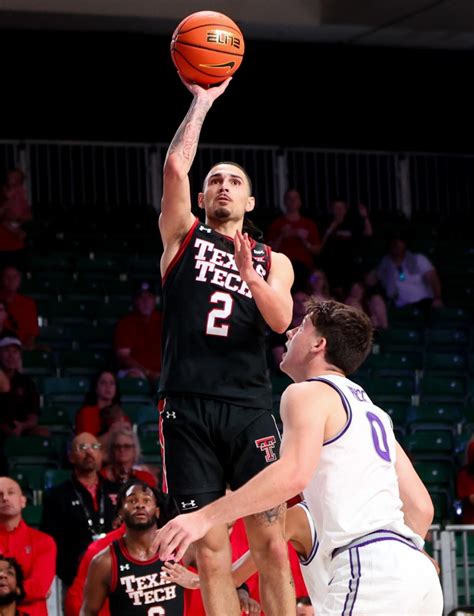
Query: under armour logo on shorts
[[267, 444], [124, 567], [187, 506], [75, 503], [170, 415]]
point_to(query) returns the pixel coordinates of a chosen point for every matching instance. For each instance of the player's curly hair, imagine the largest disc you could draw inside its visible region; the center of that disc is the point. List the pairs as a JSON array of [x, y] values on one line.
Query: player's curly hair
[[20, 577], [348, 332]]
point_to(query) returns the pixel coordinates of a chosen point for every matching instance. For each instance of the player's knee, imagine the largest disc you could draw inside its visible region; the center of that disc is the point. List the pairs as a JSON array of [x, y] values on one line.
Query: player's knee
[[273, 552], [212, 559]]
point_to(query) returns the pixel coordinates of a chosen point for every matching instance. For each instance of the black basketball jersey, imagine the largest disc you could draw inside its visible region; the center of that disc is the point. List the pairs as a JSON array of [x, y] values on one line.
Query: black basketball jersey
[[213, 332], [138, 588]]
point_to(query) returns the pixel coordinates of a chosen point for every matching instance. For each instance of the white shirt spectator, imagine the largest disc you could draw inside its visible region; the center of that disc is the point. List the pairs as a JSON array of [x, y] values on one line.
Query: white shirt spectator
[[406, 283]]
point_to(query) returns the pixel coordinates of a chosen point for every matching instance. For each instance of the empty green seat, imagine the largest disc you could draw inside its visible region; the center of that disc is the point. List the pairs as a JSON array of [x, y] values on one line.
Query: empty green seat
[[429, 442], [435, 473], [448, 316], [434, 415], [391, 385], [31, 451], [151, 450], [455, 339], [445, 387], [30, 478], [38, 362], [405, 316], [402, 339], [397, 412], [57, 418], [65, 389], [397, 361], [82, 363], [453, 363]]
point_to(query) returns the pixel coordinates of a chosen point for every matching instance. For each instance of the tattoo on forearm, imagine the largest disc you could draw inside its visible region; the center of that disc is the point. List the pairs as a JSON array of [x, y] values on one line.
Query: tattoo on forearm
[[271, 516], [186, 140]]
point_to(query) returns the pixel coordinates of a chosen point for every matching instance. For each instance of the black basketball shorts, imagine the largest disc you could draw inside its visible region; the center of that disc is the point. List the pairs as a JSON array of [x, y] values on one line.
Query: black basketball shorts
[[209, 445]]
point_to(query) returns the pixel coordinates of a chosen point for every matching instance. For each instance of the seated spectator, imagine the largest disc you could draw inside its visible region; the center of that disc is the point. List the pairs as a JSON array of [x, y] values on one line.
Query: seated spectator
[[304, 607], [367, 299], [138, 337], [4, 330], [408, 277], [34, 551], [19, 405], [22, 312], [319, 285], [343, 244], [276, 341], [123, 453], [81, 509], [14, 211], [465, 486], [101, 405], [295, 235], [12, 591]]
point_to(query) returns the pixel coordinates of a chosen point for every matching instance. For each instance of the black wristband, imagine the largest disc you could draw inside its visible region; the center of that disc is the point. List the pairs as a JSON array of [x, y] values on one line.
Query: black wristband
[[243, 587]]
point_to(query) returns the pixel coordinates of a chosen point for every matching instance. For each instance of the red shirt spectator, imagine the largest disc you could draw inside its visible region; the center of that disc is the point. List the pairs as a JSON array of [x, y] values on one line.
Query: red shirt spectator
[[294, 235], [138, 337], [34, 551]]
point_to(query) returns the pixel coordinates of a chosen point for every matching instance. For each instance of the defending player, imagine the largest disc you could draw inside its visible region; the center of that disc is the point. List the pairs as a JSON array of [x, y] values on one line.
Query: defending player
[[370, 508], [220, 289]]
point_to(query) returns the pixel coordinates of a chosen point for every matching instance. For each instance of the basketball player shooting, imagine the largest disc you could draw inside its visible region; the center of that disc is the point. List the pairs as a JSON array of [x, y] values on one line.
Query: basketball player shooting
[[370, 508], [221, 289]]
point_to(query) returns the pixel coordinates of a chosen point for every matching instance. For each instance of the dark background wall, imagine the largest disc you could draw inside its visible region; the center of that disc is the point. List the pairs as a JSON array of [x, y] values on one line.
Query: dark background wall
[[67, 85]]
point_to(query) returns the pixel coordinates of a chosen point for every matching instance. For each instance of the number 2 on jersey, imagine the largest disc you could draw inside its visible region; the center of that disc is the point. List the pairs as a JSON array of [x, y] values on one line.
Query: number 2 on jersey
[[225, 303]]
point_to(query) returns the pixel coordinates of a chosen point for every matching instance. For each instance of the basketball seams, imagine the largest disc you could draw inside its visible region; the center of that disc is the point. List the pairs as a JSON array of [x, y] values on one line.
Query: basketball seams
[[220, 26], [197, 68], [227, 53]]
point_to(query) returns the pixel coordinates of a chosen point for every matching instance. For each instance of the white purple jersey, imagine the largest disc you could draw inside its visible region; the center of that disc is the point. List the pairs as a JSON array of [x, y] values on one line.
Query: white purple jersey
[[354, 490]]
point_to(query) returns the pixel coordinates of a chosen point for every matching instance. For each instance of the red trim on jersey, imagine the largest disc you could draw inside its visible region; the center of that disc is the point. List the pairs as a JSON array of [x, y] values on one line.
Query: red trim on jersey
[[161, 436], [126, 554], [113, 580], [181, 250], [268, 250]]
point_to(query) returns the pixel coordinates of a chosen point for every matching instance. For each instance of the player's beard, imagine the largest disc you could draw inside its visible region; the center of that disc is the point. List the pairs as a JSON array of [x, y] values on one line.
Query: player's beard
[[222, 213], [9, 599], [130, 523]]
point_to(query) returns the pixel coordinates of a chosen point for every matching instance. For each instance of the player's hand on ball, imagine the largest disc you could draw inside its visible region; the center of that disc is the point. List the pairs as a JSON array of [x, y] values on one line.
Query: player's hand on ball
[[209, 93]]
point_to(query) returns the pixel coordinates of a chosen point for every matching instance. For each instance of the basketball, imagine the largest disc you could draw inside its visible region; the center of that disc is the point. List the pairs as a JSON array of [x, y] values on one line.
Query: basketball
[[207, 48]]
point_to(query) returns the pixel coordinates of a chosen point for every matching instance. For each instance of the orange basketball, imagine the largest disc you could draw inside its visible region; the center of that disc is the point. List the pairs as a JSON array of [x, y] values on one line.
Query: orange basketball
[[207, 47]]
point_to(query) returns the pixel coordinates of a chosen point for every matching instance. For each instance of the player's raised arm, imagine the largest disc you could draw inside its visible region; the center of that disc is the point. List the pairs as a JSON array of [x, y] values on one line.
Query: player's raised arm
[[97, 584], [176, 218]]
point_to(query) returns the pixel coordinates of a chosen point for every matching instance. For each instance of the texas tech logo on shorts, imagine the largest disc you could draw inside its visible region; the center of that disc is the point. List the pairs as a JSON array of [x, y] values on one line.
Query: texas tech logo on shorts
[[267, 444]]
